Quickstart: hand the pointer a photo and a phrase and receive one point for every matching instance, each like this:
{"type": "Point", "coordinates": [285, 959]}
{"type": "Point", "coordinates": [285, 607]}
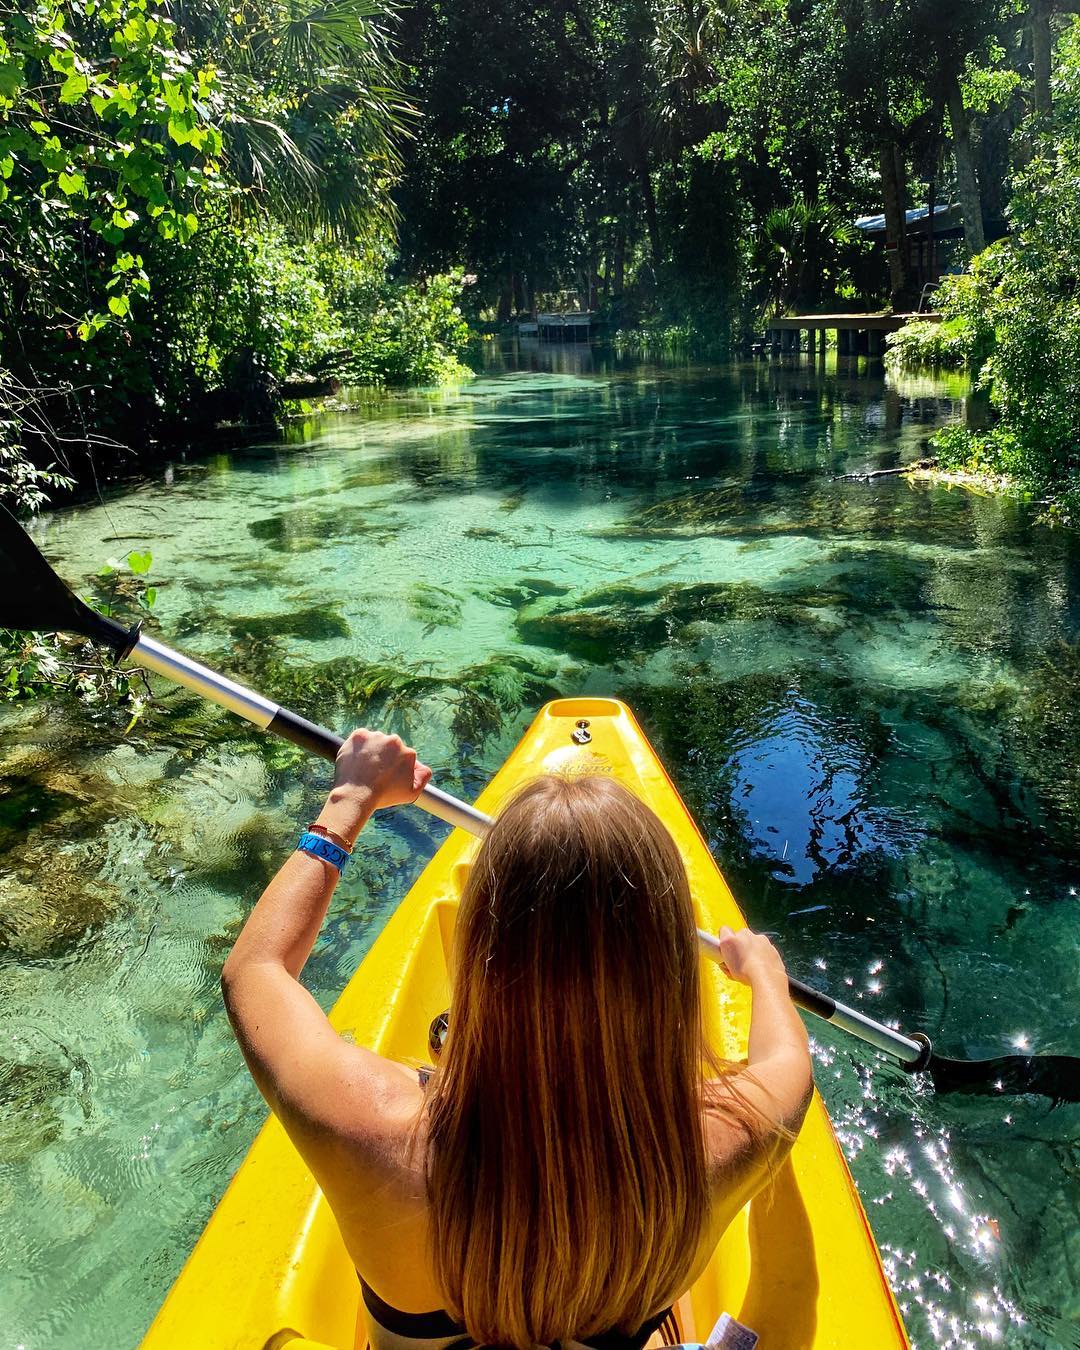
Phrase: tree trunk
{"type": "Point", "coordinates": [994, 162]}
{"type": "Point", "coordinates": [893, 192]}
{"type": "Point", "coordinates": [967, 186]}
{"type": "Point", "coordinates": [1041, 44]}
{"type": "Point", "coordinates": [618, 269]}
{"type": "Point", "coordinates": [644, 177]}
{"type": "Point", "coordinates": [652, 222]}
{"type": "Point", "coordinates": [931, 238]}
{"type": "Point", "coordinates": [506, 298]}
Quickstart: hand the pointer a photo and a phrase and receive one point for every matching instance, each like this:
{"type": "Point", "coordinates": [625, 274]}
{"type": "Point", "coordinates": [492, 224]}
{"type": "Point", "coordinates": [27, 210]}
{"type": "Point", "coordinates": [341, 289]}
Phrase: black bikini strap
{"type": "Point", "coordinates": [429, 1326]}
{"type": "Point", "coordinates": [620, 1340]}
{"type": "Point", "coordinates": [437, 1326]}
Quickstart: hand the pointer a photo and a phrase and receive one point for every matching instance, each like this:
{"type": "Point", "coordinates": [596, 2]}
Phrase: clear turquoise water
{"type": "Point", "coordinates": [866, 692]}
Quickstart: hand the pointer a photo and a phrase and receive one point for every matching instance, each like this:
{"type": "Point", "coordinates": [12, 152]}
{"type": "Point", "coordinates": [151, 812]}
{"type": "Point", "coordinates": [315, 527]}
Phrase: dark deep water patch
{"type": "Point", "coordinates": [867, 693]}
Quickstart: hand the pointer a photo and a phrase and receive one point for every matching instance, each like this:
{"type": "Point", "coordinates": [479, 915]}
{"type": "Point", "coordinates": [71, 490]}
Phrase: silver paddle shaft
{"type": "Point", "coordinates": [270, 716]}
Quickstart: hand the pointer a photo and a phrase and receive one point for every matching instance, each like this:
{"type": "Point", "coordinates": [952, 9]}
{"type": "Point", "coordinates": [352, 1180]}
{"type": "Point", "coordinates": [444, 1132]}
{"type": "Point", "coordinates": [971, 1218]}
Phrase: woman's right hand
{"type": "Point", "coordinates": [750, 957]}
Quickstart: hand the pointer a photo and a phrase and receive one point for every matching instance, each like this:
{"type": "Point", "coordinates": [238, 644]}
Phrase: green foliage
{"type": "Point", "coordinates": [33, 664]}
{"type": "Point", "coordinates": [392, 333]}
{"type": "Point", "coordinates": [659, 337]}
{"type": "Point", "coordinates": [1018, 309]}
{"type": "Point", "coordinates": [315, 113]}
{"type": "Point", "coordinates": [947, 345]}
{"type": "Point", "coordinates": [801, 249]}
{"type": "Point", "coordinates": [23, 486]}
{"type": "Point", "coordinates": [168, 178]}
{"type": "Point", "coordinates": [109, 132]}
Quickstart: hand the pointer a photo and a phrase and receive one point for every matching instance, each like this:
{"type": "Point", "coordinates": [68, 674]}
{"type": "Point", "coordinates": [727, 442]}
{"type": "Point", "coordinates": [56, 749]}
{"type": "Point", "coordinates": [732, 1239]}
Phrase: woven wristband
{"type": "Point", "coordinates": [317, 846]}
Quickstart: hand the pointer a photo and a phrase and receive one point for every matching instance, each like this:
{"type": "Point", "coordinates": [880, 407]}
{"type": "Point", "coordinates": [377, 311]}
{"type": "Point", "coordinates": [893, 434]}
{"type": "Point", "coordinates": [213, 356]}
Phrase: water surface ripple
{"type": "Point", "coordinates": [869, 694]}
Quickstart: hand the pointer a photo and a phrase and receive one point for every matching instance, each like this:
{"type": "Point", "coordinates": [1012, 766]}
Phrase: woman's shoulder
{"type": "Point", "coordinates": [380, 1098]}
{"type": "Point", "coordinates": [742, 1143]}
{"type": "Point", "coordinates": [363, 1118]}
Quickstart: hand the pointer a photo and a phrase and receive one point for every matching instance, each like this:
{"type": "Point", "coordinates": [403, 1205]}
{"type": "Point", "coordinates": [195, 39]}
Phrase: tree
{"type": "Point", "coordinates": [127, 131]}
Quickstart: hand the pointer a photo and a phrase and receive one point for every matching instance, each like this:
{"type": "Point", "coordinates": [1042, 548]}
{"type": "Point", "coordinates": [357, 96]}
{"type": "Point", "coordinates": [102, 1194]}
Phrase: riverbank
{"type": "Point", "coordinates": [988, 484]}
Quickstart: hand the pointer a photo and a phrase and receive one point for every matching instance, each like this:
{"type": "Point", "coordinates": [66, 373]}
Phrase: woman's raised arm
{"type": "Point", "coordinates": [780, 1080]}
{"type": "Point", "coordinates": [293, 1053]}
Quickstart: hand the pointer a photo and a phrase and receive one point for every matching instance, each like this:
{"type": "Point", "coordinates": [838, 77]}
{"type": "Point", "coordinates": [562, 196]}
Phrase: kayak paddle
{"type": "Point", "coordinates": [1056, 1076]}
{"type": "Point", "coordinates": [36, 599]}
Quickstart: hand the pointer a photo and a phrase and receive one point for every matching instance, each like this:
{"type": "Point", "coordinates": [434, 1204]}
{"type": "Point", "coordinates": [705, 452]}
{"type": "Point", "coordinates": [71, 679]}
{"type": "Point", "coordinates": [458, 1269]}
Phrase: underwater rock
{"type": "Point", "coordinates": [541, 586]}
{"type": "Point", "coordinates": [434, 605]}
{"type": "Point", "coordinates": [51, 819]}
{"type": "Point", "coordinates": [52, 903]}
{"type": "Point", "coordinates": [482, 532]}
{"type": "Point", "coordinates": [620, 593]}
{"type": "Point", "coordinates": [306, 531]}
{"type": "Point", "coordinates": [309, 625]}
{"type": "Point", "coordinates": [26, 804]}
{"type": "Point", "coordinates": [592, 635]}
{"type": "Point", "coordinates": [619, 621]}
{"type": "Point", "coordinates": [28, 1120]}
{"type": "Point", "coordinates": [523, 593]}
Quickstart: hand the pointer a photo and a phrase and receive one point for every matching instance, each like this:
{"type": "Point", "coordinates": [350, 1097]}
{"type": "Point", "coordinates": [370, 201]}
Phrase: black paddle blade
{"type": "Point", "coordinates": [34, 598]}
{"type": "Point", "coordinates": [1054, 1076]}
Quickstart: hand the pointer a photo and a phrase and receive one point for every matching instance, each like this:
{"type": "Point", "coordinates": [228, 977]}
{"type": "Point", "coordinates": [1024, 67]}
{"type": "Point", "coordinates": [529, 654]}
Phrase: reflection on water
{"type": "Point", "coordinates": [868, 692]}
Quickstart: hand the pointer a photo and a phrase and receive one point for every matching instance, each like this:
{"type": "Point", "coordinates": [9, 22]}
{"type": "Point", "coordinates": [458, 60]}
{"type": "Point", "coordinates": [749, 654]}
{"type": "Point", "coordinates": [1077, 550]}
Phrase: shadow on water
{"type": "Point", "coordinates": [867, 693]}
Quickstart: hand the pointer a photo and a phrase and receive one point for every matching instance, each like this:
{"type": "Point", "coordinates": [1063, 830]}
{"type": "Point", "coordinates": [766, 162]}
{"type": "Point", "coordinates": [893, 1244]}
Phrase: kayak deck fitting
{"type": "Point", "coordinates": [798, 1265]}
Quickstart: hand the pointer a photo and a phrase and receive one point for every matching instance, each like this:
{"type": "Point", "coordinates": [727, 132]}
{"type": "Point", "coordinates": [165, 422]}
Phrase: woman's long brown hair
{"type": "Point", "coordinates": [566, 1166]}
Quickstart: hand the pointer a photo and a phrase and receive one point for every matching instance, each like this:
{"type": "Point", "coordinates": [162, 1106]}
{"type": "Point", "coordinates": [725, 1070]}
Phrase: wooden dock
{"type": "Point", "coordinates": [856, 334]}
{"type": "Point", "coordinates": [573, 327]}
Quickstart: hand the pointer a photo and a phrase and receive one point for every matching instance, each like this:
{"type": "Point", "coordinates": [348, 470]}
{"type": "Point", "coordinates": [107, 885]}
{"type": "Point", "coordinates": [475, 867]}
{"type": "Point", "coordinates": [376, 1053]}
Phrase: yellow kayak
{"type": "Point", "coordinates": [799, 1265]}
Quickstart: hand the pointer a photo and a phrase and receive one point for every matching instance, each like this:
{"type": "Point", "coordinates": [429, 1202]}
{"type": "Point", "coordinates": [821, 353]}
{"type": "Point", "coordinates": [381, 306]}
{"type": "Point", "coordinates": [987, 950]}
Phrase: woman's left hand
{"type": "Point", "coordinates": [381, 768]}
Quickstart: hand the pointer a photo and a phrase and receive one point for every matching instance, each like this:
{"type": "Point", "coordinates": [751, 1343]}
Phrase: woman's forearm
{"type": "Point", "coordinates": [285, 922]}
{"type": "Point", "coordinates": [775, 1026]}
{"type": "Point", "coordinates": [779, 1081]}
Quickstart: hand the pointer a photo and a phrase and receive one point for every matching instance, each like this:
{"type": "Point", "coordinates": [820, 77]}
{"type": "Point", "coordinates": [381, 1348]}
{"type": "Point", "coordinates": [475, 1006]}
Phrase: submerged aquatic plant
{"type": "Point", "coordinates": [1048, 736]}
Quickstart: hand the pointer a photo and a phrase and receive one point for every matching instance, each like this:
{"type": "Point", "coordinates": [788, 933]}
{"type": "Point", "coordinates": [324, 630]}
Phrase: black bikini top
{"type": "Point", "coordinates": [441, 1327]}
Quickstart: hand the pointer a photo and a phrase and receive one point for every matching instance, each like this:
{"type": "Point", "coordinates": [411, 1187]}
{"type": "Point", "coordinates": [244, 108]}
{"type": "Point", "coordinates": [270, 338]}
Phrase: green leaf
{"type": "Point", "coordinates": [120, 305]}
{"type": "Point", "coordinates": [73, 88]}
{"type": "Point", "coordinates": [140, 562]}
{"type": "Point", "coordinates": [150, 597]}
{"type": "Point", "coordinates": [7, 165]}
{"type": "Point", "coordinates": [71, 183]}
{"type": "Point", "coordinates": [11, 79]}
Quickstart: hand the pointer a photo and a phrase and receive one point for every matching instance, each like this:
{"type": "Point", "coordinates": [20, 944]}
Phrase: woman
{"type": "Point", "coordinates": [566, 1171]}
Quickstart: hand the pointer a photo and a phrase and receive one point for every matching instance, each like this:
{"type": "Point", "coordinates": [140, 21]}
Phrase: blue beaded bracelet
{"type": "Point", "coordinates": [320, 847]}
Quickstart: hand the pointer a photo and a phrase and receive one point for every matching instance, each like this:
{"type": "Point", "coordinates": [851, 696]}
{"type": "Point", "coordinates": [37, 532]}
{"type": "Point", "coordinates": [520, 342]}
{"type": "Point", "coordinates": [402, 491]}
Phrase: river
{"type": "Point", "coordinates": [868, 693]}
